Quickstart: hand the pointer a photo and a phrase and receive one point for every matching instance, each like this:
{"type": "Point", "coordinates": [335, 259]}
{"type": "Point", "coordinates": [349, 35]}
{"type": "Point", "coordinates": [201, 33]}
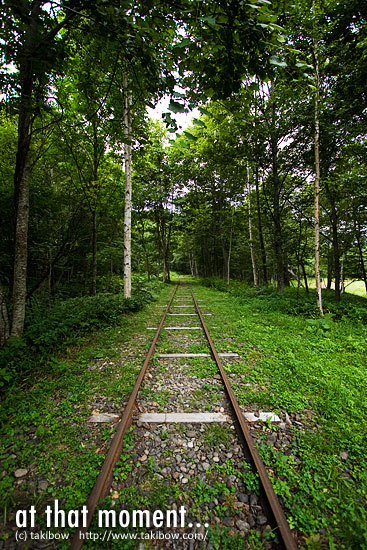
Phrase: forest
{"type": "Point", "coordinates": [106, 194]}
{"type": "Point", "coordinates": [280, 96]}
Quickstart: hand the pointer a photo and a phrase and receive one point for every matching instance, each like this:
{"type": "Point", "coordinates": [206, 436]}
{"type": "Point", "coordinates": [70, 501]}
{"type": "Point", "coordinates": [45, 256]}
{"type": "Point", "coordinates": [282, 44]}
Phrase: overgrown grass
{"type": "Point", "coordinates": [43, 420]}
{"type": "Point", "coordinates": [299, 362]}
{"type": "Point", "coordinates": [294, 360]}
{"type": "Point", "coordinates": [52, 327]}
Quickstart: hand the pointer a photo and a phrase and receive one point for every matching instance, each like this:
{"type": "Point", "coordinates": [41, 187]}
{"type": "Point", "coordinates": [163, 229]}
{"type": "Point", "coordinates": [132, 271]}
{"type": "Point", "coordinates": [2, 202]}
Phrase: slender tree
{"type": "Point", "coordinates": [128, 186]}
{"type": "Point", "coordinates": [317, 157]}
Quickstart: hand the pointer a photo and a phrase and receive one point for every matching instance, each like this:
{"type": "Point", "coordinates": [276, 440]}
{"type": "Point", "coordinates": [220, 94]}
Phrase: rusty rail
{"type": "Point", "coordinates": [284, 530]}
{"type": "Point", "coordinates": [104, 480]}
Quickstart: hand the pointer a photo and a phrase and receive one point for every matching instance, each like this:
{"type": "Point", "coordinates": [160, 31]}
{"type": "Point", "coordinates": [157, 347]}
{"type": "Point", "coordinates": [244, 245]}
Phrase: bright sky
{"type": "Point", "coordinates": [183, 120]}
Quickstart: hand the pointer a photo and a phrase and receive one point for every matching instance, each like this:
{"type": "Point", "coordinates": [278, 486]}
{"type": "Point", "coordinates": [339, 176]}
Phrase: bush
{"type": "Point", "coordinates": [65, 321]}
{"type": "Point", "coordinates": [266, 299]}
{"type": "Point", "coordinates": [52, 329]}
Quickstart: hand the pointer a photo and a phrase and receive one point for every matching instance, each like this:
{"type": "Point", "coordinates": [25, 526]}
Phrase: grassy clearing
{"type": "Point", "coordinates": [317, 367]}
{"type": "Point", "coordinates": [351, 287]}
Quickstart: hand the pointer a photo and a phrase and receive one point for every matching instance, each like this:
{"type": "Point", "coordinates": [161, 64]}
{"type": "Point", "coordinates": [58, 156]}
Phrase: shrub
{"type": "Point", "coordinates": [266, 299]}
{"type": "Point", "coordinates": [49, 330]}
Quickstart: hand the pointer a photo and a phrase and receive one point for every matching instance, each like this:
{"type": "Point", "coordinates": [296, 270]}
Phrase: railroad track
{"type": "Point", "coordinates": [180, 308]}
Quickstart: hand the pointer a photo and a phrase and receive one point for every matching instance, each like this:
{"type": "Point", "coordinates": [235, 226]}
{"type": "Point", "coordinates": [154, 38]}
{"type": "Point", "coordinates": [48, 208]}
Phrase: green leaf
{"type": "Point", "coordinates": [199, 122]}
{"type": "Point", "coordinates": [276, 61]}
{"type": "Point", "coordinates": [176, 107]}
{"type": "Point", "coordinates": [204, 111]}
{"type": "Point", "coordinates": [183, 44]}
{"type": "Point", "coordinates": [304, 65]}
{"type": "Point", "coordinates": [178, 94]}
{"type": "Point", "coordinates": [209, 19]}
{"type": "Point", "coordinates": [190, 136]}
{"type": "Point", "coordinates": [278, 27]}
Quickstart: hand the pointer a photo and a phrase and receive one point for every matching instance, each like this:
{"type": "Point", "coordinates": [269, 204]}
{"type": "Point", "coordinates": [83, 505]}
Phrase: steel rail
{"type": "Point", "coordinates": [286, 535]}
{"type": "Point", "coordinates": [104, 480]}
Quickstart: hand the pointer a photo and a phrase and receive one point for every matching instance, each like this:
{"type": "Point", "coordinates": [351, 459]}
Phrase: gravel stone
{"type": "Point", "coordinates": [243, 526]}
{"type": "Point", "coordinates": [228, 522]}
{"type": "Point", "coordinates": [261, 519]}
{"type": "Point", "coordinates": [21, 472]}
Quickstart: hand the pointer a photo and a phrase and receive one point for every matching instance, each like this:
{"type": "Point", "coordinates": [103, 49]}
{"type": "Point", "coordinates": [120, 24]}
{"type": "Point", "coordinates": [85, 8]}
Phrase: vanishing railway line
{"type": "Point", "coordinates": [268, 499]}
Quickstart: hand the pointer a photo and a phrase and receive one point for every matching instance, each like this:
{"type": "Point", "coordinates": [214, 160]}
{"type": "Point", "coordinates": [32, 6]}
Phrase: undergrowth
{"type": "Point", "coordinates": [267, 299]}
{"type": "Point", "coordinates": [52, 327]}
{"type": "Point", "coordinates": [295, 361]}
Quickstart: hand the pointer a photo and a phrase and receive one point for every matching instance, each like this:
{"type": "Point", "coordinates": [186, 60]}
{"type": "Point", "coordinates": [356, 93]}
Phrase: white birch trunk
{"type": "Point", "coordinates": [230, 250]}
{"type": "Point", "coordinates": [317, 172]}
{"type": "Point", "coordinates": [4, 320]}
{"type": "Point", "coordinates": [253, 260]}
{"type": "Point", "coordinates": [128, 190]}
{"type": "Point", "coordinates": [342, 285]}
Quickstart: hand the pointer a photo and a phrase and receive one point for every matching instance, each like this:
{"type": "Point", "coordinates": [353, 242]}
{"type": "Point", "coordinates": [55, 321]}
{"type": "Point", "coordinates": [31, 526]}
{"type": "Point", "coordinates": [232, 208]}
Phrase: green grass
{"type": "Point", "coordinates": [54, 404]}
{"type": "Point", "coordinates": [351, 287]}
{"type": "Point", "coordinates": [298, 362]}
{"type": "Point", "coordinates": [292, 360]}
{"type": "Point", "coordinates": [357, 287]}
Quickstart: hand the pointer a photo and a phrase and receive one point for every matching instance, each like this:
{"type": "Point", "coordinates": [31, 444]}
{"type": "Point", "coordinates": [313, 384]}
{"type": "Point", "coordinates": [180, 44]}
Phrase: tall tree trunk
{"type": "Point", "coordinates": [281, 268]}
{"type": "Point", "coordinates": [304, 275]}
{"type": "Point", "coordinates": [334, 223]}
{"type": "Point", "coordinates": [94, 249]}
{"type": "Point", "coordinates": [21, 253]}
{"type": "Point", "coordinates": [298, 256]}
{"type": "Point", "coordinates": [253, 259]}
{"type": "Point", "coordinates": [225, 258]}
{"type": "Point", "coordinates": [94, 204]}
{"type": "Point", "coordinates": [163, 240]}
{"type": "Point", "coordinates": [166, 252]}
{"type": "Point", "coordinates": [230, 249]}
{"type": "Point", "coordinates": [146, 253]}
{"type": "Point", "coordinates": [329, 268]}
{"type": "Point", "coordinates": [22, 164]}
{"type": "Point", "coordinates": [4, 320]}
{"type": "Point", "coordinates": [317, 166]}
{"type": "Point", "coordinates": [278, 238]}
{"type": "Point", "coordinates": [342, 287]}
{"type": "Point", "coordinates": [21, 184]}
{"type": "Point", "coordinates": [192, 263]}
{"type": "Point", "coordinates": [260, 229]}
{"type": "Point", "coordinates": [128, 190]}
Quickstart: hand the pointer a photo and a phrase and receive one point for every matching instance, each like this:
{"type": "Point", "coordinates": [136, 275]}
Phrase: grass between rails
{"type": "Point", "coordinates": [43, 422]}
{"type": "Point", "coordinates": [317, 367]}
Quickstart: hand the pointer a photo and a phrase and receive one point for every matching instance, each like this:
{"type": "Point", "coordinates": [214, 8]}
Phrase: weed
{"type": "Point", "coordinates": [215, 434]}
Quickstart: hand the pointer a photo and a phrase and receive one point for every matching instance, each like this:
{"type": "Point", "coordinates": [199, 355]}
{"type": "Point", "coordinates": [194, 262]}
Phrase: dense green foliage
{"type": "Point", "coordinates": [52, 329]}
{"type": "Point", "coordinates": [231, 196]}
{"type": "Point", "coordinates": [266, 299]}
{"type": "Point", "coordinates": [57, 402]}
